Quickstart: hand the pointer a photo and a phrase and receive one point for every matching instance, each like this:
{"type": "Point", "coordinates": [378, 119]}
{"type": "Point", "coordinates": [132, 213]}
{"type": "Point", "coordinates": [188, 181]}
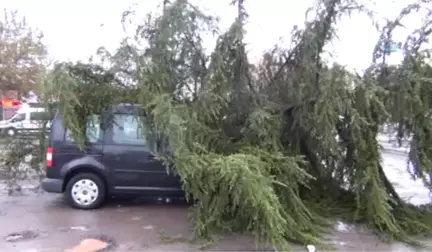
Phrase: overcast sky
{"type": "Point", "coordinates": [73, 29]}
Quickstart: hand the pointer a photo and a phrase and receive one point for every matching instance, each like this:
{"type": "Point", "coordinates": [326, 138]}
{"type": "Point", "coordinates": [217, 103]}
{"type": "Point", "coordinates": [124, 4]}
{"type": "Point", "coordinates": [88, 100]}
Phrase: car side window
{"type": "Point", "coordinates": [39, 116]}
{"type": "Point", "coordinates": [18, 118]}
{"type": "Point", "coordinates": [93, 131]}
{"type": "Point", "coordinates": [129, 130]}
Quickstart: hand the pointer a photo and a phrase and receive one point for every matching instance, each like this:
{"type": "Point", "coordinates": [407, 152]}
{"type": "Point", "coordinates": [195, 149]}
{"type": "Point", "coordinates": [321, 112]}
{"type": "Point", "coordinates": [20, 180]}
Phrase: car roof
{"type": "Point", "coordinates": [29, 110]}
{"type": "Point", "coordinates": [122, 108]}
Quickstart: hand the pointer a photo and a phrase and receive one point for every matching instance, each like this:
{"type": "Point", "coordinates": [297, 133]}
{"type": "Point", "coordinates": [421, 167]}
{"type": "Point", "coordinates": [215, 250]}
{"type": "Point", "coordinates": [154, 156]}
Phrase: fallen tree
{"type": "Point", "coordinates": [274, 149]}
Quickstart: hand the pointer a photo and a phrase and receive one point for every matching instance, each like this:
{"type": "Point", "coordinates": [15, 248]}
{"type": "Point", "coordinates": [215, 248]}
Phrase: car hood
{"type": "Point", "coordinates": [4, 123]}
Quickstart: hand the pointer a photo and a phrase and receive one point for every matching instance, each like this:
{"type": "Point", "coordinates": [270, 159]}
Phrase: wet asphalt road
{"type": "Point", "coordinates": [140, 225]}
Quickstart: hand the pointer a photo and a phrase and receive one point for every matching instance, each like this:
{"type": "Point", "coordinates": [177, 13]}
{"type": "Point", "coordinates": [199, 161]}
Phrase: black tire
{"type": "Point", "coordinates": [101, 188]}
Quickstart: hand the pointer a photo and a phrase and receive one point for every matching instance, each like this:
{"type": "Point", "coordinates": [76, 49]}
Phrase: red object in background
{"type": "Point", "coordinates": [8, 108]}
{"type": "Point", "coordinates": [10, 103]}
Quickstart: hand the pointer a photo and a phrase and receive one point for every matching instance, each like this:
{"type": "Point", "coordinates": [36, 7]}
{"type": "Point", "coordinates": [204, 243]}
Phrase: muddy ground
{"type": "Point", "coordinates": [135, 225]}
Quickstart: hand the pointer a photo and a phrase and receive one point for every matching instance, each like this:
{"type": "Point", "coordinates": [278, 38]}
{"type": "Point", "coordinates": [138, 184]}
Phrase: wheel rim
{"type": "Point", "coordinates": [85, 192]}
{"type": "Point", "coordinates": [11, 132]}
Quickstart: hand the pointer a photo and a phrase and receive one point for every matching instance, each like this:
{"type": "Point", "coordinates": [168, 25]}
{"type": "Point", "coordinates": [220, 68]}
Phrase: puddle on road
{"type": "Point", "coordinates": [148, 227]}
{"type": "Point", "coordinates": [21, 236]}
{"type": "Point", "coordinates": [74, 228]}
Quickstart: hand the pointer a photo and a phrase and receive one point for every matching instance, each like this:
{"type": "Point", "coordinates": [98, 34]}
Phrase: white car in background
{"type": "Point", "coordinates": [26, 121]}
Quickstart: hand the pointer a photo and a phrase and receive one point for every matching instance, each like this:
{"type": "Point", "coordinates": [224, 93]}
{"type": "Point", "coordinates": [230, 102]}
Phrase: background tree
{"type": "Point", "coordinates": [22, 57]}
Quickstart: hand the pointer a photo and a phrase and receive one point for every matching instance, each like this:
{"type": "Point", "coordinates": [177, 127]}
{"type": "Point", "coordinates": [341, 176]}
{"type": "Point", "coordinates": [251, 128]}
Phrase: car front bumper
{"type": "Point", "coordinates": [52, 185]}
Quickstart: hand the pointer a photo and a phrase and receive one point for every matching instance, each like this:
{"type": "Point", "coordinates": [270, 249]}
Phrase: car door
{"type": "Point", "coordinates": [40, 120]}
{"type": "Point", "coordinates": [128, 154]}
{"type": "Point", "coordinates": [66, 149]}
{"type": "Point", "coordinates": [26, 124]}
{"type": "Point", "coordinates": [17, 122]}
{"type": "Point", "coordinates": [36, 121]}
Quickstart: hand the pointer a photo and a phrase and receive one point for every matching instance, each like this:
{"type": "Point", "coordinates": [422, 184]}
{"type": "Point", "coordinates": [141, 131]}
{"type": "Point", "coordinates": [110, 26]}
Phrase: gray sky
{"type": "Point", "coordinates": [73, 29]}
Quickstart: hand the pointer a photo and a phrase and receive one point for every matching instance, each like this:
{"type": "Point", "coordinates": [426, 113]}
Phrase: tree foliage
{"type": "Point", "coordinates": [23, 55]}
{"type": "Point", "coordinates": [272, 149]}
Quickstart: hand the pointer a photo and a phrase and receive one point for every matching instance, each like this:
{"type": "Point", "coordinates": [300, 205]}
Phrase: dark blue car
{"type": "Point", "coordinates": [117, 160]}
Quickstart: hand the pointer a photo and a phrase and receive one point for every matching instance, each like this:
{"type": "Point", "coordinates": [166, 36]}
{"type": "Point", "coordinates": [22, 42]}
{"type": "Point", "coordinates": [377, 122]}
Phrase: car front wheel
{"type": "Point", "coordinates": [85, 191]}
{"type": "Point", "coordinates": [11, 132]}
